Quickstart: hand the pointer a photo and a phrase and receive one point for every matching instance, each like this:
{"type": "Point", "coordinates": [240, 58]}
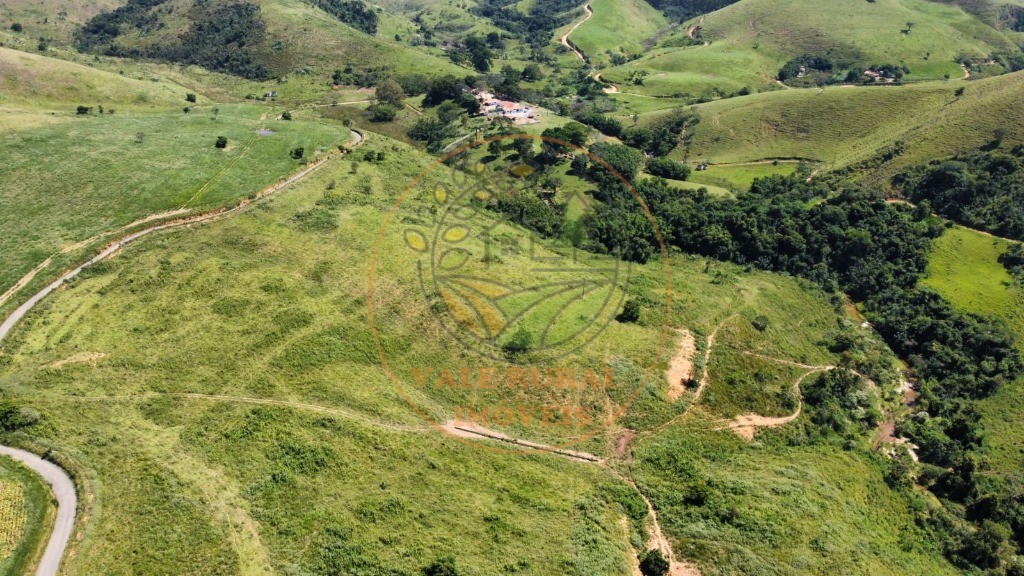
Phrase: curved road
{"type": "Point", "coordinates": [63, 486]}
{"type": "Point", "coordinates": [67, 504]}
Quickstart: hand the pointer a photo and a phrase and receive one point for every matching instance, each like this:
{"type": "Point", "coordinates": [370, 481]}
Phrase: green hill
{"type": "Point", "coordinates": [265, 39]}
{"type": "Point", "coordinates": [841, 126]}
{"type": "Point", "coordinates": [33, 80]}
{"type": "Point", "coordinates": [750, 41]}
{"type": "Point", "coordinates": [618, 27]}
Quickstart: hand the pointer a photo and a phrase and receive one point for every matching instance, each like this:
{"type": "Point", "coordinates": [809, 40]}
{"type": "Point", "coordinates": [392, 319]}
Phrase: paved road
{"type": "Point", "coordinates": [67, 504]}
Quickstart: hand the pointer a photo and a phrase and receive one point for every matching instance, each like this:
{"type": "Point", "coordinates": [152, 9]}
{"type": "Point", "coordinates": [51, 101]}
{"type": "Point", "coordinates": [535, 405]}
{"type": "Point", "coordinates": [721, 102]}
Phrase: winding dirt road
{"type": "Point", "coordinates": [565, 37]}
{"type": "Point", "coordinates": [67, 505]}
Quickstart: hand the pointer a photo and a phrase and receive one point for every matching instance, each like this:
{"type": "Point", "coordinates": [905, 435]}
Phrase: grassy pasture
{"type": "Point", "coordinates": [66, 182]}
{"type": "Point", "coordinates": [619, 27]}
{"type": "Point", "coordinates": [739, 176]}
{"type": "Point", "coordinates": [32, 80]}
{"type": "Point", "coordinates": [272, 304]}
{"type": "Point", "coordinates": [964, 269]}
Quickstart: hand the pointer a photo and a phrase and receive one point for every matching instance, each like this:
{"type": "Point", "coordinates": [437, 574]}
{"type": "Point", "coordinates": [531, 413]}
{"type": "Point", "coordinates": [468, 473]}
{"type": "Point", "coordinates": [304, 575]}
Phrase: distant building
{"type": "Point", "coordinates": [491, 105]}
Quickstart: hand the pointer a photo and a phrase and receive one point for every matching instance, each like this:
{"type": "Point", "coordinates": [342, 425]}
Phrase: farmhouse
{"type": "Point", "coordinates": [492, 106]}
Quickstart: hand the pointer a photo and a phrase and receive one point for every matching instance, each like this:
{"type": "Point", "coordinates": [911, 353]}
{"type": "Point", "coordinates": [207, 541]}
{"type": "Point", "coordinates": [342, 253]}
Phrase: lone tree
{"type": "Point", "coordinates": [16, 27]}
{"type": "Point", "coordinates": [390, 92]}
{"type": "Point", "coordinates": [519, 343]}
{"type": "Point", "coordinates": [222, 142]}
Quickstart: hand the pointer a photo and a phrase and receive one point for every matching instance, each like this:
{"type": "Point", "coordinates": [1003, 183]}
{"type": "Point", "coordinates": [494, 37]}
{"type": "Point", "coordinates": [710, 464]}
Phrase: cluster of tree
{"type": "Point", "coordinates": [681, 10]}
{"type": "Point", "coordinates": [805, 64]}
{"type": "Point", "coordinates": [842, 402]}
{"type": "Point", "coordinates": [983, 190]}
{"type": "Point", "coordinates": [220, 37]}
{"type": "Point", "coordinates": [14, 417]}
{"type": "Point", "coordinates": [106, 26]}
{"type": "Point", "coordinates": [668, 168]}
{"type": "Point", "coordinates": [535, 26]}
{"type": "Point", "coordinates": [364, 77]}
{"type": "Point", "coordinates": [475, 50]}
{"type": "Point", "coordinates": [662, 137]}
{"type": "Point", "coordinates": [352, 12]}
{"type": "Point", "coordinates": [970, 356]}
{"type": "Point", "coordinates": [601, 122]}
{"type": "Point", "coordinates": [1013, 260]}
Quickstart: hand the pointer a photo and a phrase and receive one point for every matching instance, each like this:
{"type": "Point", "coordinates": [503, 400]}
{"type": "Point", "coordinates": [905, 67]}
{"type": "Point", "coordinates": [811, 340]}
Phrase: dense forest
{"type": "Point", "coordinates": [685, 9]}
{"type": "Point", "coordinates": [537, 25]}
{"type": "Point", "coordinates": [984, 190]}
{"type": "Point", "coordinates": [352, 12]}
{"type": "Point", "coordinates": [220, 37]}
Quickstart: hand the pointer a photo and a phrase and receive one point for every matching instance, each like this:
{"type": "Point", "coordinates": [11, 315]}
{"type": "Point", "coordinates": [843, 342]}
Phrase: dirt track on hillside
{"type": "Point", "coordinates": [565, 37]}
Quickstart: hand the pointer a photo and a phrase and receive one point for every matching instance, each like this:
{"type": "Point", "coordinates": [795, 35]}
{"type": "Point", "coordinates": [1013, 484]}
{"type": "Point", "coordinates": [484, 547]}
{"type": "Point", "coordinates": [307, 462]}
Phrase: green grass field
{"type": "Point", "coordinates": [964, 269]}
{"type": "Point", "coordinates": [67, 182]}
{"type": "Point", "coordinates": [25, 516]}
{"type": "Point", "coordinates": [779, 507]}
{"type": "Point", "coordinates": [618, 27]}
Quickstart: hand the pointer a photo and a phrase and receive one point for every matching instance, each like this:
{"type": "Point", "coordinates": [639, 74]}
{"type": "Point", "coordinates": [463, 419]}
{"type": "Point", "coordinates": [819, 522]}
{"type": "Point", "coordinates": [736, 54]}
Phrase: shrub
{"type": "Point", "coordinates": [190, 98]}
{"type": "Point", "coordinates": [84, 110]}
{"type": "Point", "coordinates": [761, 323]}
{"type": "Point", "coordinates": [630, 311]}
{"type": "Point", "coordinates": [16, 27]}
{"type": "Point", "coordinates": [222, 142]}
{"type": "Point", "coordinates": [653, 563]}
{"type": "Point", "coordinates": [442, 567]}
{"type": "Point", "coordinates": [286, 115]}
{"type": "Point", "coordinates": [297, 153]}
{"type": "Point", "coordinates": [382, 112]}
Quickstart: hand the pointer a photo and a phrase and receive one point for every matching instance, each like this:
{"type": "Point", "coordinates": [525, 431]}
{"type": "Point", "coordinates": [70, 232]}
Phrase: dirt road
{"type": "Point", "coordinates": [67, 505]}
{"type": "Point", "coordinates": [565, 37]}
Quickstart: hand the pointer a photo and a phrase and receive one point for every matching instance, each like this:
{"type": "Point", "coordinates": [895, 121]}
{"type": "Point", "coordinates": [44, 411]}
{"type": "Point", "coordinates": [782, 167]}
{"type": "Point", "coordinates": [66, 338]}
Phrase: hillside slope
{"type": "Point", "coordinates": [751, 40]}
{"type": "Point", "coordinates": [844, 125]}
{"type": "Point", "coordinates": [258, 40]}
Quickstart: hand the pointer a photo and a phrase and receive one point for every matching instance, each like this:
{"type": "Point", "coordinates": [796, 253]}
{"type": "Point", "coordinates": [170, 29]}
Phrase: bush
{"type": "Point", "coordinates": [190, 98]}
{"type": "Point", "coordinates": [84, 110]}
{"type": "Point", "coordinates": [630, 312]}
{"type": "Point", "coordinates": [442, 567]}
{"type": "Point", "coordinates": [16, 27]}
{"type": "Point", "coordinates": [297, 153]}
{"type": "Point", "coordinates": [519, 343]}
{"type": "Point", "coordinates": [667, 168]}
{"type": "Point", "coordinates": [653, 563]}
{"type": "Point", "coordinates": [382, 112]}
{"type": "Point", "coordinates": [286, 115]}
{"type": "Point", "coordinates": [222, 142]}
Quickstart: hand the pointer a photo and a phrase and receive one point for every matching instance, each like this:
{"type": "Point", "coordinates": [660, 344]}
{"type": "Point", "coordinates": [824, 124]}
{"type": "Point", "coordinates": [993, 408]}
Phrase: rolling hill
{"type": "Point", "coordinates": [841, 126]}
{"type": "Point", "coordinates": [750, 41]}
